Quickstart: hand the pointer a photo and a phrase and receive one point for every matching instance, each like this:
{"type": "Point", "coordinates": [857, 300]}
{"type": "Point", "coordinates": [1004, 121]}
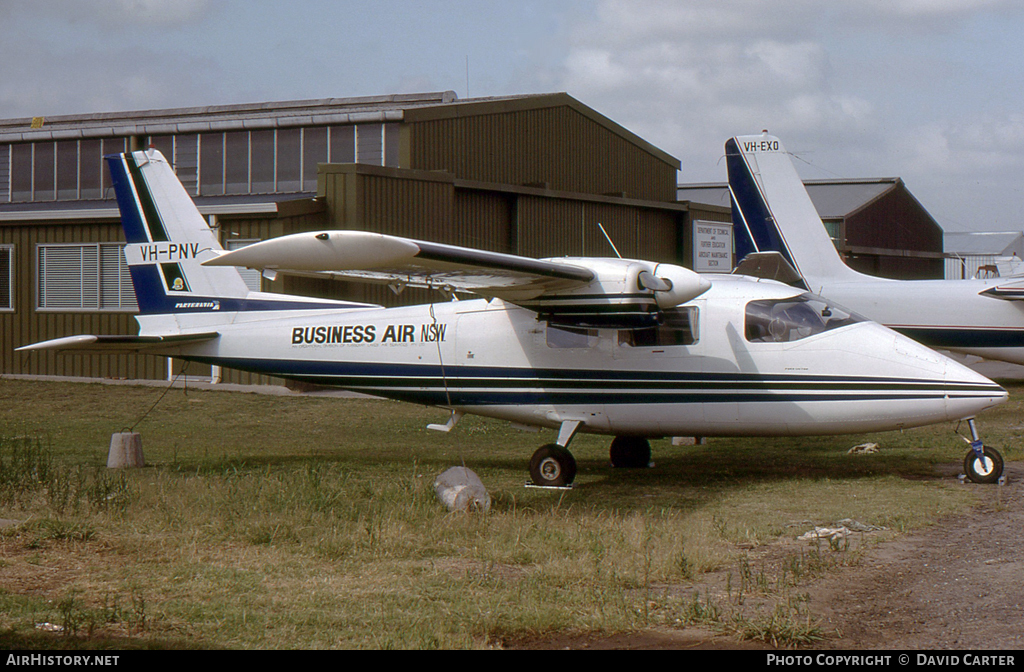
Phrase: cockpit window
{"type": "Point", "coordinates": [785, 320]}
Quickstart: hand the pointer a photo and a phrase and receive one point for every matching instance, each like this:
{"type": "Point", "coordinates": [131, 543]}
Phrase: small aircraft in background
{"type": "Point", "coordinates": [772, 213]}
{"type": "Point", "coordinates": [626, 348]}
{"type": "Point", "coordinates": [780, 235]}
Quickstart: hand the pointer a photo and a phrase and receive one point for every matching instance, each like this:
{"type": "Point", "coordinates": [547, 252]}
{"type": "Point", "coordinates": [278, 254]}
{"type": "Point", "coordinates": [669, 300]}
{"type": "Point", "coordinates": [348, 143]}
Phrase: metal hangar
{"type": "Point", "coordinates": [531, 175]}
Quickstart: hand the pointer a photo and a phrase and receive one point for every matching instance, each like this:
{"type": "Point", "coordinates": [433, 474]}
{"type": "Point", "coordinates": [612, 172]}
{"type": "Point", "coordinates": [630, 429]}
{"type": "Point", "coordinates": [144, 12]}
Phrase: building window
{"type": "Point", "coordinates": [5, 173]}
{"type": "Point", "coordinates": [6, 277]}
{"type": "Point", "coordinates": [370, 144]}
{"type": "Point", "coordinates": [289, 159]}
{"type": "Point", "coordinates": [250, 276]}
{"type": "Point", "coordinates": [342, 144]}
{"type": "Point", "coordinates": [264, 161]}
{"type": "Point", "coordinates": [84, 277]}
{"type": "Point", "coordinates": [208, 164]}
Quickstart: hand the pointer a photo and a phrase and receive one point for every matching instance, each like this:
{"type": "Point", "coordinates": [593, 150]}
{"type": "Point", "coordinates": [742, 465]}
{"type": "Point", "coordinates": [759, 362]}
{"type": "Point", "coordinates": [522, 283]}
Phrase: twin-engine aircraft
{"type": "Point", "coordinates": [625, 348]}
{"type": "Point", "coordinates": [774, 217]}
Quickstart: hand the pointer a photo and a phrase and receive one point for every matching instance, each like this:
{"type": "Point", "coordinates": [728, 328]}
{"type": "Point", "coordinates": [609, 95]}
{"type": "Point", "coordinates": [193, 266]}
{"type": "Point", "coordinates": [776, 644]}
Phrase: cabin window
{"type": "Point", "coordinates": [785, 320]}
{"type": "Point", "coordinates": [567, 337]}
{"type": "Point", "coordinates": [679, 327]}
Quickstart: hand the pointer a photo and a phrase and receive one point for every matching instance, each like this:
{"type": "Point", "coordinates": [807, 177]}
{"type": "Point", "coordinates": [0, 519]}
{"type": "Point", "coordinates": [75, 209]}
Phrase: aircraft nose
{"type": "Point", "coordinates": [968, 392]}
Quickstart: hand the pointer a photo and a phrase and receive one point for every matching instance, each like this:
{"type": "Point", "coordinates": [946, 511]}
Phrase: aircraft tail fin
{"type": "Point", "coordinates": [167, 239]}
{"type": "Point", "coordinates": [772, 211]}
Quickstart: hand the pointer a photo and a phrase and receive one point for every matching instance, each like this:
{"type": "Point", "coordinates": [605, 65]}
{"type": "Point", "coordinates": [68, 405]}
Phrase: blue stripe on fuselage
{"type": "Point", "coordinates": [154, 299]}
{"type": "Point", "coordinates": [488, 386]}
{"type": "Point", "coordinates": [960, 337]}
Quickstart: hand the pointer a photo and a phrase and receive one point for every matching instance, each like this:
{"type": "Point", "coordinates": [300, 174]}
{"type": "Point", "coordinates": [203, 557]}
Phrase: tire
{"type": "Point", "coordinates": [987, 471]}
{"type": "Point", "coordinates": [552, 466]}
{"type": "Point", "coordinates": [630, 452]}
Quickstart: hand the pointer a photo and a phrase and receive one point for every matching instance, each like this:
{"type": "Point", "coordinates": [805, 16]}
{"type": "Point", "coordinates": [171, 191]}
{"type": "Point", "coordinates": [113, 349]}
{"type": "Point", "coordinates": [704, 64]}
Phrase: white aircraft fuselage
{"type": "Point", "coordinates": [496, 359]}
{"type": "Point", "coordinates": [629, 348]}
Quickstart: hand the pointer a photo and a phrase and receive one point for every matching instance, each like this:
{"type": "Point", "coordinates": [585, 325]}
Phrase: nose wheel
{"type": "Point", "coordinates": [982, 464]}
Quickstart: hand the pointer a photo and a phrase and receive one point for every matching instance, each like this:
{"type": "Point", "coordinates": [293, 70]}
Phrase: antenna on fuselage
{"type": "Point", "coordinates": [609, 239]}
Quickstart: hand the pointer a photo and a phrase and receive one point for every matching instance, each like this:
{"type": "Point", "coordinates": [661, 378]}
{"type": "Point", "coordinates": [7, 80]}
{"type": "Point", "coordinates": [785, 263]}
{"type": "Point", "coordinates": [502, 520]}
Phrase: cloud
{"type": "Point", "coordinates": [858, 89]}
{"type": "Point", "coordinates": [109, 14]}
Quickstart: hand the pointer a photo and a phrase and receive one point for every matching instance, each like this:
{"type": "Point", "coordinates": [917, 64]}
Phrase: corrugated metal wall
{"type": "Point", "coordinates": [895, 221]}
{"type": "Point", "coordinates": [28, 325]}
{"type": "Point", "coordinates": [557, 147]}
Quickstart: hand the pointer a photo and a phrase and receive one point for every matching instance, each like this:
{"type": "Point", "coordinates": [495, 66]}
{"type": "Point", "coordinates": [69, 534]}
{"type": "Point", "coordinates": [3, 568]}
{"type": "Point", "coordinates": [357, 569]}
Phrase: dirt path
{"type": "Point", "coordinates": [959, 585]}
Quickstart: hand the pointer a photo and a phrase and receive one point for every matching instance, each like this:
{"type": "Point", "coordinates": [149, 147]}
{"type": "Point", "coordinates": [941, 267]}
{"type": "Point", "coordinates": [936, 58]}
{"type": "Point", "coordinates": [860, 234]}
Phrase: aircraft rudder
{"type": "Point", "coordinates": [755, 225]}
{"type": "Point", "coordinates": [776, 212]}
{"type": "Point", "coordinates": [167, 238]}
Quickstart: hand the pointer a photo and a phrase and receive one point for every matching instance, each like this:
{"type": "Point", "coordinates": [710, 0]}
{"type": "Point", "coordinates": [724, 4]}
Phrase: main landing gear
{"type": "Point", "coordinates": [553, 466]}
{"type": "Point", "coordinates": [982, 464]}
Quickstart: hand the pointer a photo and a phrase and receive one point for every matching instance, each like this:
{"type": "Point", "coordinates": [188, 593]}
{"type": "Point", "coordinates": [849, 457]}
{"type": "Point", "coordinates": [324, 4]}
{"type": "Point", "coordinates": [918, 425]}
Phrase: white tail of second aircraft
{"type": "Point", "coordinates": [772, 211]}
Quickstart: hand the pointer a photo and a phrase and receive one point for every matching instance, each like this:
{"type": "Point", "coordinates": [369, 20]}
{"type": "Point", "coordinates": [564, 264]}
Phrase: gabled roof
{"type": "Point", "coordinates": [833, 199]}
{"type": "Point", "coordinates": [998, 243]}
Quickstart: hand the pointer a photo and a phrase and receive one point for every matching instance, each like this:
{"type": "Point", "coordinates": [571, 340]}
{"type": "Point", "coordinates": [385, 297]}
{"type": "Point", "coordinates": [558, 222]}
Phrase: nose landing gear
{"type": "Point", "coordinates": [982, 464]}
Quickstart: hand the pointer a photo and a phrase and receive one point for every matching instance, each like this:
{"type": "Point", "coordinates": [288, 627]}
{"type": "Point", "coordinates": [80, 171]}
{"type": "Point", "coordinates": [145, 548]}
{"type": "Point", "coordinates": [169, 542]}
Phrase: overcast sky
{"type": "Point", "coordinates": [928, 90]}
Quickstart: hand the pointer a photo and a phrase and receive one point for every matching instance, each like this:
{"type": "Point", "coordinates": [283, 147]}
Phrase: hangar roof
{"type": "Point", "coordinates": [285, 114]}
{"type": "Point", "coordinates": [1002, 243]}
{"type": "Point", "coordinates": [219, 117]}
{"type": "Point", "coordinates": [833, 199]}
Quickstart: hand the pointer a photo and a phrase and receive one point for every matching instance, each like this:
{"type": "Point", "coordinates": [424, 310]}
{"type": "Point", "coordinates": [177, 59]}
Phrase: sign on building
{"type": "Point", "coordinates": [712, 247]}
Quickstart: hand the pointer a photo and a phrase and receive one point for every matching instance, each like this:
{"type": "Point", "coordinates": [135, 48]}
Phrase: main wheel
{"type": "Point", "coordinates": [630, 452]}
{"type": "Point", "coordinates": [985, 469]}
{"type": "Point", "coordinates": [552, 466]}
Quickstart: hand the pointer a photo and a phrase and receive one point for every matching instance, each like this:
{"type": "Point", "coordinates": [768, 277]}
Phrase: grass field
{"type": "Point", "coordinates": [267, 521]}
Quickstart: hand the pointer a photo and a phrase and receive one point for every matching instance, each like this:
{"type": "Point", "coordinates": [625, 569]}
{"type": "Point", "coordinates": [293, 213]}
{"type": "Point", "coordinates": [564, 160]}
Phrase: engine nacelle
{"type": "Point", "coordinates": [679, 285]}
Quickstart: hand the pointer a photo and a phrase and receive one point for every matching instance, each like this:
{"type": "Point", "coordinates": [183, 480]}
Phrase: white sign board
{"type": "Point", "coordinates": [712, 247]}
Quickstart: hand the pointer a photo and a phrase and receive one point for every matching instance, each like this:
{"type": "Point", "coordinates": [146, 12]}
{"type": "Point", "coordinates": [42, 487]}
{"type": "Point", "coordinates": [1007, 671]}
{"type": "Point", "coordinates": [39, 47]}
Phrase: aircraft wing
{"type": "Point", "coordinates": [400, 262]}
{"type": "Point", "coordinates": [111, 344]}
{"type": "Point", "coordinates": [579, 292]}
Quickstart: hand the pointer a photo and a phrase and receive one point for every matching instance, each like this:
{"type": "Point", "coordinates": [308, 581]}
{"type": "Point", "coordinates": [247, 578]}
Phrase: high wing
{"type": "Point", "coordinates": [375, 257]}
{"type": "Point", "coordinates": [581, 292]}
{"type": "Point", "coordinates": [117, 343]}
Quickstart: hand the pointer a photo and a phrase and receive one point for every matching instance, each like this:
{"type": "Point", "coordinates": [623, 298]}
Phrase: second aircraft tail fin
{"type": "Point", "coordinates": [772, 211]}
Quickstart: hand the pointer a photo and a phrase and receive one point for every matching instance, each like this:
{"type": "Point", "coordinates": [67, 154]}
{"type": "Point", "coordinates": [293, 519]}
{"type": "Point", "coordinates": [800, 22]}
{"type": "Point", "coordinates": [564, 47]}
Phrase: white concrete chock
{"type": "Point", "coordinates": [460, 489]}
{"type": "Point", "coordinates": [125, 451]}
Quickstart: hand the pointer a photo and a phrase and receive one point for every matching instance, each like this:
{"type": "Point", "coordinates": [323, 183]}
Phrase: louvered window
{"type": "Point", "coordinates": [84, 277]}
{"type": "Point", "coordinates": [6, 277]}
{"type": "Point", "coordinates": [251, 277]}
